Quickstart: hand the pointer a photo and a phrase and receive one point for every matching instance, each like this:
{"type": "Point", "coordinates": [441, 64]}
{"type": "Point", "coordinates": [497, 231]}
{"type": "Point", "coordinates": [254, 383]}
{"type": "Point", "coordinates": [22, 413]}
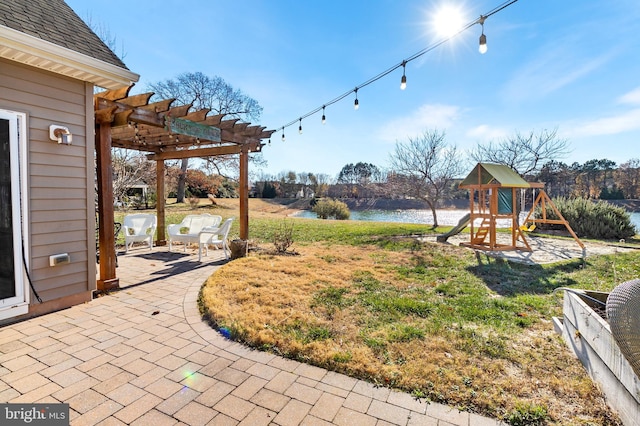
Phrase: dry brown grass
{"type": "Point", "coordinates": [316, 307]}
{"type": "Point", "coordinates": [258, 207]}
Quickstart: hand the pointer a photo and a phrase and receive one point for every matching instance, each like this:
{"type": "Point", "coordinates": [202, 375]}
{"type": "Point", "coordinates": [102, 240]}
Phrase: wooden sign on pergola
{"type": "Point", "coordinates": [166, 133]}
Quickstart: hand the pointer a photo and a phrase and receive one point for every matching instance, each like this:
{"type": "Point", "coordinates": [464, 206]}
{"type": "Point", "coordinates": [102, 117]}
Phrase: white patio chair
{"type": "Point", "coordinates": [216, 237]}
{"type": "Point", "coordinates": [189, 229]}
{"type": "Point", "coordinates": [139, 227]}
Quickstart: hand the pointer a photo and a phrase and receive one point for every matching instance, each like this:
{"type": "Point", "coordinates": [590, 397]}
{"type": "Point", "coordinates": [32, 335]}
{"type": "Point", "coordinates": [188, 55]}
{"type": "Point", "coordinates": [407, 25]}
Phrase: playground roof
{"type": "Point", "coordinates": [494, 174]}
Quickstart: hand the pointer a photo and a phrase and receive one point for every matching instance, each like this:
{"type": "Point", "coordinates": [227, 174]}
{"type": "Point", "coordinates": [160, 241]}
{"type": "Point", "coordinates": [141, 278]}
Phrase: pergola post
{"type": "Point", "coordinates": [244, 194]}
{"type": "Point", "coordinates": [106, 238]}
{"type": "Point", "coordinates": [160, 202]}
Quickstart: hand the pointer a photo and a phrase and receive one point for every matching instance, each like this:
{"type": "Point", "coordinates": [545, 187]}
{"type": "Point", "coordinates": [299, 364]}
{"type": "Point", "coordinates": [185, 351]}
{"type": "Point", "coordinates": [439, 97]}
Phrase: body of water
{"type": "Point", "coordinates": [445, 217]}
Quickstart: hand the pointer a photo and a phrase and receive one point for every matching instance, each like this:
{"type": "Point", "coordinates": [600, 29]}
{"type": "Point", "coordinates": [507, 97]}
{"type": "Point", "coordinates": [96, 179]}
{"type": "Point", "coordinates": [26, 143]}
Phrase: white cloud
{"type": "Point", "coordinates": [426, 117]}
{"type": "Point", "coordinates": [486, 133]}
{"type": "Point", "coordinates": [632, 97]}
{"type": "Point", "coordinates": [624, 122]}
{"type": "Point", "coordinates": [550, 71]}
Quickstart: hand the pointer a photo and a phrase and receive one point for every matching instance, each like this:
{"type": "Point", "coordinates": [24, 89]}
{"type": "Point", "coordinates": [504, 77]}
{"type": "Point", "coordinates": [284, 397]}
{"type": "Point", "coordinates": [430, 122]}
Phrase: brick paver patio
{"type": "Point", "coordinates": [143, 356]}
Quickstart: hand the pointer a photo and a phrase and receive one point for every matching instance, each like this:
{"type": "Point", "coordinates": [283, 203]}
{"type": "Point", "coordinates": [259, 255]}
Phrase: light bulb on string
{"type": "Point", "coordinates": [483, 44]}
{"type": "Point", "coordinates": [403, 80]}
{"type": "Point", "coordinates": [482, 48]}
{"type": "Point", "coordinates": [300, 126]}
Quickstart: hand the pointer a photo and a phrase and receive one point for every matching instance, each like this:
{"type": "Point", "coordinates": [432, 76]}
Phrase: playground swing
{"type": "Point", "coordinates": [532, 226]}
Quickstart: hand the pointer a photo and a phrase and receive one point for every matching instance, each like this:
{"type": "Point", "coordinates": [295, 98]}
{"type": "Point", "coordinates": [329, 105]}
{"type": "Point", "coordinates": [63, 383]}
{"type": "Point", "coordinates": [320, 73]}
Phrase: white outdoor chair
{"type": "Point", "coordinates": [216, 237]}
{"type": "Point", "coordinates": [192, 224]}
{"type": "Point", "coordinates": [139, 227]}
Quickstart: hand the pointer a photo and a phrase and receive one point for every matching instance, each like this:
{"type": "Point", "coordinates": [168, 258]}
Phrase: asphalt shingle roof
{"type": "Point", "coordinates": [54, 21]}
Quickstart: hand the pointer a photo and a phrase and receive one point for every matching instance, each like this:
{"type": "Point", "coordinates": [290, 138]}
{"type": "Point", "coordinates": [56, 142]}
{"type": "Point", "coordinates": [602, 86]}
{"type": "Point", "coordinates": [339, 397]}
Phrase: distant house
{"type": "Point", "coordinates": [50, 62]}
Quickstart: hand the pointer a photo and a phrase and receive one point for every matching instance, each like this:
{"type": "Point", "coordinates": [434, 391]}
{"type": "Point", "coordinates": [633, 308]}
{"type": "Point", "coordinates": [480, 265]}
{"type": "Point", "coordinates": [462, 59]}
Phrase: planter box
{"type": "Point", "coordinates": [589, 337]}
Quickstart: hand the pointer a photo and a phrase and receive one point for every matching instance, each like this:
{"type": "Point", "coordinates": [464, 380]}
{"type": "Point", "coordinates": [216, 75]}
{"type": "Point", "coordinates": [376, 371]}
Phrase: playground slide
{"type": "Point", "coordinates": [464, 221]}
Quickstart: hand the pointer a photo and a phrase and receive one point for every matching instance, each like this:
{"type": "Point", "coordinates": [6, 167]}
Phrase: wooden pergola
{"type": "Point", "coordinates": [166, 133]}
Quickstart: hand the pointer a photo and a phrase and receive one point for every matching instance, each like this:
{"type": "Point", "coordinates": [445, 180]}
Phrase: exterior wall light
{"type": "Point", "coordinates": [60, 134]}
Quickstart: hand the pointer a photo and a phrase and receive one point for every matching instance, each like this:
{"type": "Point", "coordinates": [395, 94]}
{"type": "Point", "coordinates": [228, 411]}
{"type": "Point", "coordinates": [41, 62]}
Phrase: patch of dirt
{"type": "Point", "coordinates": [543, 249]}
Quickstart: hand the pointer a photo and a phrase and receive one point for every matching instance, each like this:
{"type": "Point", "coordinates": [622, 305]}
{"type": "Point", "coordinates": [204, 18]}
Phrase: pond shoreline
{"type": "Point", "coordinates": [414, 211]}
{"type": "Point", "coordinates": [358, 204]}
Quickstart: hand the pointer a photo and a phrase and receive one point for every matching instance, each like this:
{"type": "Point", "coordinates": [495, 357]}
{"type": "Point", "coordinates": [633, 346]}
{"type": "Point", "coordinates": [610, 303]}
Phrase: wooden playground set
{"type": "Point", "coordinates": [493, 196]}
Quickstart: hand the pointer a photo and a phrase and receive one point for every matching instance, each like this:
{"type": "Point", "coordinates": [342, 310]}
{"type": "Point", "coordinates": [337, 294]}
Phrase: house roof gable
{"type": "Point", "coordinates": [54, 21]}
{"type": "Point", "coordinates": [48, 34]}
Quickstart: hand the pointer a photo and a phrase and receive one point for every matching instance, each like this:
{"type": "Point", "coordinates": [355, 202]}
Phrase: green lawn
{"type": "Point", "coordinates": [368, 299]}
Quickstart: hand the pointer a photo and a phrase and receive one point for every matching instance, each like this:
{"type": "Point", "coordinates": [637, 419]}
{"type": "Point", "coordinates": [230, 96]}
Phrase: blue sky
{"type": "Point", "coordinates": [570, 65]}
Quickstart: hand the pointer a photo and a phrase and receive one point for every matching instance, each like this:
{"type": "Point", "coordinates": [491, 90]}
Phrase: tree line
{"type": "Point", "coordinates": [428, 168]}
{"type": "Point", "coordinates": [425, 167]}
{"type": "Point", "coordinates": [595, 179]}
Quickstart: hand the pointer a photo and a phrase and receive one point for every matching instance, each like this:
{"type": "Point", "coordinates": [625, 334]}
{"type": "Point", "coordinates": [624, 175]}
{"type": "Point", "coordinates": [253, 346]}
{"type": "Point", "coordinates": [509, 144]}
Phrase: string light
{"type": "Point", "coordinates": [300, 127]}
{"type": "Point", "coordinates": [482, 49]}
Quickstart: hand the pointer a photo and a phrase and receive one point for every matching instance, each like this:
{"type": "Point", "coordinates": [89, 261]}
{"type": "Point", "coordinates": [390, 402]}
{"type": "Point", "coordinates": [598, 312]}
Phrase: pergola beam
{"type": "Point", "coordinates": [139, 115]}
{"type": "Point", "coordinates": [137, 100]}
{"type": "Point", "coordinates": [205, 152]}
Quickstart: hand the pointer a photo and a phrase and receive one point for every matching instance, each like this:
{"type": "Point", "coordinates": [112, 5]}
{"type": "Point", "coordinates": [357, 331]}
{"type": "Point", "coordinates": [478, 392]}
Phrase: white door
{"type": "Point", "coordinates": [13, 297]}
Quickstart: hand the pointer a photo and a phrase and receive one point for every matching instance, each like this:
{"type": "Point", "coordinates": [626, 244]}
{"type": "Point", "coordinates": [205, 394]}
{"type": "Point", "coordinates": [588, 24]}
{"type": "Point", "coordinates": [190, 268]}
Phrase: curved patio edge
{"type": "Point", "coordinates": [357, 401]}
{"type": "Point", "coordinates": [143, 355]}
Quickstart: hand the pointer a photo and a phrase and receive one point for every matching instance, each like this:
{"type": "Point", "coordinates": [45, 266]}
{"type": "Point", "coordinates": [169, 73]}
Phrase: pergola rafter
{"type": "Point", "coordinates": [131, 122]}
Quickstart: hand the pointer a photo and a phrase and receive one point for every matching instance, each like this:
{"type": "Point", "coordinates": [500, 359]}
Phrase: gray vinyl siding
{"type": "Point", "coordinates": [61, 177]}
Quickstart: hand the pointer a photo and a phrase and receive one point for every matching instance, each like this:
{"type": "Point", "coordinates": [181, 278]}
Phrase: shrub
{"type": "Point", "coordinates": [331, 209]}
{"type": "Point", "coordinates": [139, 202]}
{"type": "Point", "coordinates": [283, 237]}
{"type": "Point", "coordinates": [193, 200]}
{"type": "Point", "coordinates": [528, 415]}
{"type": "Point", "coordinates": [598, 220]}
{"type": "Point", "coordinates": [269, 191]}
{"type": "Point", "coordinates": [152, 199]}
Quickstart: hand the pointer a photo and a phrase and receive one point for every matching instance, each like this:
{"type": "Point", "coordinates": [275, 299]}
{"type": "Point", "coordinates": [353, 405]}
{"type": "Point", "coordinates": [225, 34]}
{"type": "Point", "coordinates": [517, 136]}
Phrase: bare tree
{"type": "Point", "coordinates": [204, 92]}
{"type": "Point", "coordinates": [628, 178]}
{"type": "Point", "coordinates": [130, 168]}
{"type": "Point", "coordinates": [321, 184]}
{"type": "Point", "coordinates": [526, 154]}
{"type": "Point", "coordinates": [558, 177]}
{"type": "Point", "coordinates": [424, 168]}
{"type": "Point", "coordinates": [104, 33]}
{"type": "Point", "coordinates": [304, 178]}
